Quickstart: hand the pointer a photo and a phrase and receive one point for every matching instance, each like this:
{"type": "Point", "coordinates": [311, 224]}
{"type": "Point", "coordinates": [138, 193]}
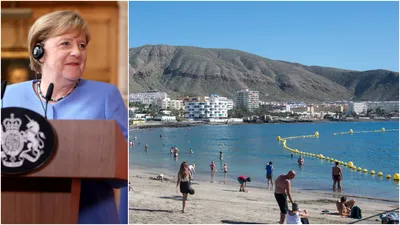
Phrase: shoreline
{"type": "Point", "coordinates": [188, 124]}
{"type": "Point", "coordinates": [153, 201]}
{"type": "Point", "coordinates": [257, 185]}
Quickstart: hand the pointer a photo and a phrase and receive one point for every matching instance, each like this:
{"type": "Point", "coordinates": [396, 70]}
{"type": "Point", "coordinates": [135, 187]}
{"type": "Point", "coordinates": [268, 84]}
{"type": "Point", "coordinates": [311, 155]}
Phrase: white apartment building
{"type": "Point", "coordinates": [212, 107]}
{"type": "Point", "coordinates": [363, 107]}
{"type": "Point", "coordinates": [147, 98]}
{"type": "Point", "coordinates": [171, 104]}
{"type": "Point", "coordinates": [248, 99]}
{"type": "Point", "coordinates": [388, 106]}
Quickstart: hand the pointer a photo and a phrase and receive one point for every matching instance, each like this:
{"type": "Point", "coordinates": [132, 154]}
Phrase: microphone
{"type": "Point", "coordinates": [49, 93]}
{"type": "Point", "coordinates": [3, 88]}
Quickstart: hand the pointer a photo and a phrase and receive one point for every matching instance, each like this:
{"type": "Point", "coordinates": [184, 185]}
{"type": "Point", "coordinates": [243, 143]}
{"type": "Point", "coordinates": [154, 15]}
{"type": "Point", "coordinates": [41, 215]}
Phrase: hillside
{"type": "Point", "coordinates": [199, 71]}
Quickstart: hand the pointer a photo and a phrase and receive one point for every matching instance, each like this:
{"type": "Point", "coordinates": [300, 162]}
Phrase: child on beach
{"type": "Point", "coordinates": [242, 181]}
{"type": "Point", "coordinates": [295, 216]}
{"type": "Point", "coordinates": [225, 168]}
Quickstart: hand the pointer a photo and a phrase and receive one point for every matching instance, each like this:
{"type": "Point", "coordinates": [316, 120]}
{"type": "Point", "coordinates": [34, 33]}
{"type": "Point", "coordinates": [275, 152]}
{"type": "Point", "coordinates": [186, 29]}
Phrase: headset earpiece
{"type": "Point", "coordinates": [38, 51]}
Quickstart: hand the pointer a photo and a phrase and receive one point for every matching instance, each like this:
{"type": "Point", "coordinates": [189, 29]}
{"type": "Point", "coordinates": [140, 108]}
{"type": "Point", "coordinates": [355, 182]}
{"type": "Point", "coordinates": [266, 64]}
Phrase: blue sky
{"type": "Point", "coordinates": [348, 35]}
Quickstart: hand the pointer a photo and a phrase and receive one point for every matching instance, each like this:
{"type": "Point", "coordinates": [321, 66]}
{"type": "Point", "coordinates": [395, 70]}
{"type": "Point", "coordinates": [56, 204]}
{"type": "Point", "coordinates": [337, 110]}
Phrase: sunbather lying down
{"type": "Point", "coordinates": [344, 207]}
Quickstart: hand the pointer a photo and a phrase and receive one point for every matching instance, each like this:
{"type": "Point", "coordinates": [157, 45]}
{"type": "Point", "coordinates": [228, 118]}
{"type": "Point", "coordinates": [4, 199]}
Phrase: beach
{"type": "Point", "coordinates": [156, 202]}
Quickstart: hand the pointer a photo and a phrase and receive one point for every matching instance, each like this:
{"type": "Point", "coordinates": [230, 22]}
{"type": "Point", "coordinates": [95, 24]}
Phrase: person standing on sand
{"type": "Point", "coordinates": [337, 176]}
{"type": "Point", "coordinates": [269, 168]}
{"type": "Point", "coordinates": [225, 168]}
{"type": "Point", "coordinates": [183, 182]}
{"type": "Point", "coordinates": [282, 191]}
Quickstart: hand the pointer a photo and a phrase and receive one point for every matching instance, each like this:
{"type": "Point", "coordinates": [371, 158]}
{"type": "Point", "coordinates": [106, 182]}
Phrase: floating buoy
{"type": "Point", "coordinates": [365, 171]}
{"type": "Point", "coordinates": [351, 131]}
{"type": "Point", "coordinates": [350, 164]}
{"type": "Point", "coordinates": [396, 176]}
{"type": "Point", "coordinates": [316, 134]}
{"type": "Point", "coordinates": [383, 129]}
{"type": "Point", "coordinates": [372, 172]}
{"type": "Point", "coordinates": [278, 138]}
{"type": "Point", "coordinates": [380, 174]}
{"type": "Point", "coordinates": [388, 176]}
{"type": "Point", "coordinates": [359, 169]}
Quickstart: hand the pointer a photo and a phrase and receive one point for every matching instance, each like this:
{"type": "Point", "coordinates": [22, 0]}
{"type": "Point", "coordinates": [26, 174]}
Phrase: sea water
{"type": "Point", "coordinates": [248, 148]}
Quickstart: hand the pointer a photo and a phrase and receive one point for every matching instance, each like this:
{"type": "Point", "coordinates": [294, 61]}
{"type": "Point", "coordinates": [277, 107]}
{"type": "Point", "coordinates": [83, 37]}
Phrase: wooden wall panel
{"type": "Point", "coordinates": [102, 17]}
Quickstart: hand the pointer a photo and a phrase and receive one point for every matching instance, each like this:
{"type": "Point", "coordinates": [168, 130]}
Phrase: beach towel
{"type": "Point", "coordinates": [355, 212]}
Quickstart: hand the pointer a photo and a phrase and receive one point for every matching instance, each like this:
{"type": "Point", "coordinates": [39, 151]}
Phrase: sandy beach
{"type": "Point", "coordinates": [156, 202]}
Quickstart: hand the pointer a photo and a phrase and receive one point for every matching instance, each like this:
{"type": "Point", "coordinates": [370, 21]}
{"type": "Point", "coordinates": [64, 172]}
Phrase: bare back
{"type": "Point", "coordinates": [336, 171]}
{"type": "Point", "coordinates": [281, 184]}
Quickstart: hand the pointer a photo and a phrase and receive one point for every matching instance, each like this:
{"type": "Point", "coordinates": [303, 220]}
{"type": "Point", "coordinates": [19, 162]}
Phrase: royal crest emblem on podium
{"type": "Point", "coordinates": [24, 139]}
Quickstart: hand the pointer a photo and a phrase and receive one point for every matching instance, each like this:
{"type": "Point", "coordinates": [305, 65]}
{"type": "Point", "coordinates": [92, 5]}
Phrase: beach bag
{"type": "Point", "coordinates": [191, 190]}
{"type": "Point", "coordinates": [355, 212]}
{"type": "Point", "coordinates": [304, 221]}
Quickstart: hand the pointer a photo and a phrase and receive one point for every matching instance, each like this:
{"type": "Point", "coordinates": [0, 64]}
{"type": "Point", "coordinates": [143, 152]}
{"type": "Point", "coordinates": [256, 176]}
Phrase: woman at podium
{"type": "Point", "coordinates": [57, 45]}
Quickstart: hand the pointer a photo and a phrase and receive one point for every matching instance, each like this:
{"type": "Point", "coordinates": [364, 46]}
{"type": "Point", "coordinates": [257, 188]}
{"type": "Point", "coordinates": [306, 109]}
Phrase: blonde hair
{"type": "Point", "coordinates": [51, 25]}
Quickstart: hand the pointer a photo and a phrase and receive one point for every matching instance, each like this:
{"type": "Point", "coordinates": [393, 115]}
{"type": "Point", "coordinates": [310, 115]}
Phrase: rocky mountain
{"type": "Point", "coordinates": [193, 71]}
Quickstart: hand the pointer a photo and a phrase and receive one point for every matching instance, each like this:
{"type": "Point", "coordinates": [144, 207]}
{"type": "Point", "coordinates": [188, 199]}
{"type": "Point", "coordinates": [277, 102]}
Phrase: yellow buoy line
{"type": "Point", "coordinates": [320, 156]}
{"type": "Point", "coordinates": [366, 131]}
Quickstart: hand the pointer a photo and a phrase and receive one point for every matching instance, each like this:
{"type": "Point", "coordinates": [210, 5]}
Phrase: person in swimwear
{"type": "Point", "coordinates": [337, 176]}
{"type": "Point", "coordinates": [300, 161]}
{"type": "Point", "coordinates": [282, 191]}
{"type": "Point", "coordinates": [212, 166]}
{"type": "Point", "coordinates": [242, 181]}
{"type": "Point", "coordinates": [344, 207]}
{"type": "Point", "coordinates": [225, 168]}
{"type": "Point", "coordinates": [176, 151]}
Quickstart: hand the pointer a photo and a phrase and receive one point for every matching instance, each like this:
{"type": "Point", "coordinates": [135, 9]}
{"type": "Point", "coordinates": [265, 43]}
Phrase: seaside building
{"type": "Point", "coordinates": [147, 98]}
{"type": "Point", "coordinates": [363, 107]}
{"type": "Point", "coordinates": [171, 104]}
{"type": "Point", "coordinates": [211, 107]}
{"type": "Point", "coordinates": [327, 108]}
{"type": "Point", "coordinates": [248, 99]}
{"type": "Point", "coordinates": [388, 106]}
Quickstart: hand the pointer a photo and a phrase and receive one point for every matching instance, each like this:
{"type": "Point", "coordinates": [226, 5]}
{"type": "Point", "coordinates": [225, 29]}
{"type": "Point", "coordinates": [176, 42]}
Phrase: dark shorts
{"type": "Point", "coordinates": [241, 181]}
{"type": "Point", "coordinates": [282, 202]}
{"type": "Point", "coordinates": [337, 178]}
{"type": "Point", "coordinates": [269, 176]}
{"type": "Point", "coordinates": [184, 187]}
